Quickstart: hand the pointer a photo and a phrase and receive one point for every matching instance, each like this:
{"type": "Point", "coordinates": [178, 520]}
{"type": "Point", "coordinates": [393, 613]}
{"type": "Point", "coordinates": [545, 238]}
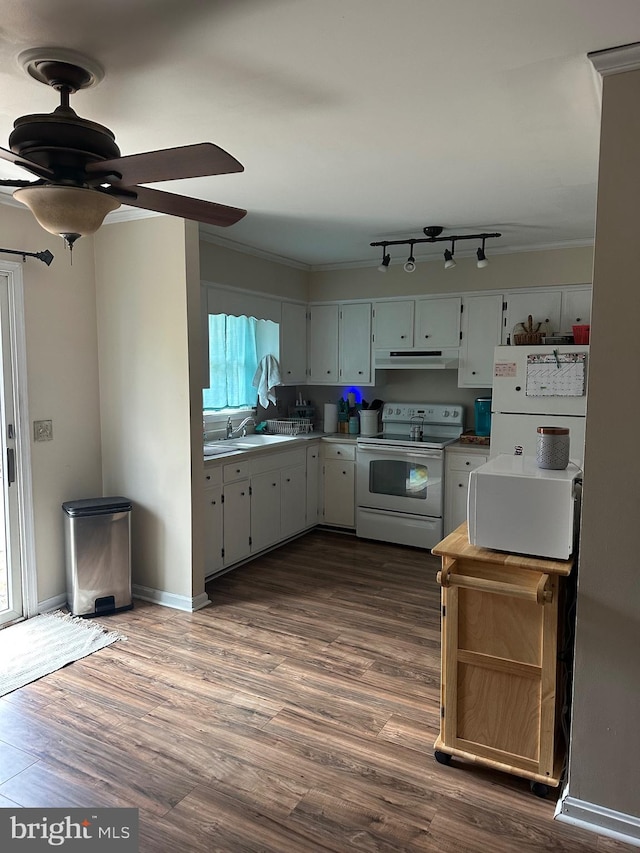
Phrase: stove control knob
{"type": "Point", "coordinates": [446, 413]}
{"type": "Point", "coordinates": [397, 411]}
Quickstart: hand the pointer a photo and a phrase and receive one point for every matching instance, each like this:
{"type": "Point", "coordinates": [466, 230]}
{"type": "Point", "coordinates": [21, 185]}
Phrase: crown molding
{"type": "Point", "coordinates": [224, 242]}
{"type": "Point", "coordinates": [503, 250]}
{"type": "Point", "coordinates": [616, 60]}
{"type": "Point", "coordinates": [125, 213]}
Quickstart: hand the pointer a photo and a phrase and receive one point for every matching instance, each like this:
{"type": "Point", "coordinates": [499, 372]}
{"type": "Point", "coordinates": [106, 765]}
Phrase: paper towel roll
{"type": "Point", "coordinates": [330, 417]}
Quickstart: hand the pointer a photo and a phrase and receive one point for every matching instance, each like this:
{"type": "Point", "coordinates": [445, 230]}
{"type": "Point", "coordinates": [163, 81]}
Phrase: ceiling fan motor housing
{"type": "Point", "coordinates": [62, 141]}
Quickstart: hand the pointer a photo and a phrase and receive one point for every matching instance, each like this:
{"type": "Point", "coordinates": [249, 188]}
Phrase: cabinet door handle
{"type": "Point", "coordinates": [426, 336]}
{"type": "Point", "coordinates": [11, 466]}
{"type": "Point", "coordinates": [213, 503]}
{"type": "Point", "coordinates": [208, 477]}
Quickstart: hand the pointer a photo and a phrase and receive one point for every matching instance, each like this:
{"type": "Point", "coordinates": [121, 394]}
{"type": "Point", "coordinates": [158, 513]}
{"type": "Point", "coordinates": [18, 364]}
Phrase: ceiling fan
{"type": "Point", "coordinates": [80, 173]}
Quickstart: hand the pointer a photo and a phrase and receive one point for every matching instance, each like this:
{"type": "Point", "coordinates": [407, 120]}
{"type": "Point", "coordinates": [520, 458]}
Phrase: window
{"type": "Point", "coordinates": [236, 345]}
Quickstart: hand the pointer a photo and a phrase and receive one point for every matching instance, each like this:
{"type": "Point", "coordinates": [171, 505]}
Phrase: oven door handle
{"type": "Point", "coordinates": [422, 452]}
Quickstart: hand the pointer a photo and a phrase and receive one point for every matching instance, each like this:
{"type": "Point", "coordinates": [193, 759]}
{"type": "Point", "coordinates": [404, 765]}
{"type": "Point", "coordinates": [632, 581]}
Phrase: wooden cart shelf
{"type": "Point", "coordinates": [501, 686]}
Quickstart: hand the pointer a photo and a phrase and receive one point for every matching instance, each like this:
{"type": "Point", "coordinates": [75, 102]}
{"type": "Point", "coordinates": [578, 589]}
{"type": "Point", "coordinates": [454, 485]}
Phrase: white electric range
{"type": "Point", "coordinates": [400, 473]}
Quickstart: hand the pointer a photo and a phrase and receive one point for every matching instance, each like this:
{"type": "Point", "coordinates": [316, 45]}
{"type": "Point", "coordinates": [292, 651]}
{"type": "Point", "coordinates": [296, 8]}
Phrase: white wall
{"type": "Point", "coordinates": [605, 747]}
{"type": "Point", "coordinates": [220, 265]}
{"type": "Point", "coordinates": [526, 269]}
{"type": "Point", "coordinates": [62, 368]}
{"type": "Point", "coordinates": [144, 301]}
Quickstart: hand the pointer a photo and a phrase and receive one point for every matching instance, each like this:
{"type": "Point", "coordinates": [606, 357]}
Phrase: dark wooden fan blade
{"type": "Point", "coordinates": [169, 164]}
{"type": "Point", "coordinates": [178, 205]}
{"type": "Point", "coordinates": [24, 163]}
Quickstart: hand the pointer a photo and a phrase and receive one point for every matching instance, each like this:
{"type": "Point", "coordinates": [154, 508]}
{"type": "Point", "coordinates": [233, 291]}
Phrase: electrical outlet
{"type": "Point", "coordinates": [42, 430]}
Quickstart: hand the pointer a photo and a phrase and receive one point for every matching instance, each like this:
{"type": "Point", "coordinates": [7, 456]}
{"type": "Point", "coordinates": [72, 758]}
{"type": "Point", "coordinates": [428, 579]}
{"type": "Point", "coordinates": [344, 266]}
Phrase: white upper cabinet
{"type": "Point", "coordinates": [544, 306]}
{"type": "Point", "coordinates": [481, 330]}
{"type": "Point", "coordinates": [428, 323]}
{"type": "Point", "coordinates": [340, 344]}
{"type": "Point", "coordinates": [293, 344]}
{"type": "Point", "coordinates": [437, 323]}
{"type": "Point", "coordinates": [355, 342]}
{"type": "Point", "coordinates": [323, 344]}
{"type": "Point", "coordinates": [576, 309]}
{"type": "Point", "coordinates": [393, 324]}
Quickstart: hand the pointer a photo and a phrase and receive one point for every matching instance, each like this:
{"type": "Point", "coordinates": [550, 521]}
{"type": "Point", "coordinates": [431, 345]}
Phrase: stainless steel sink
{"type": "Point", "coordinates": [217, 448]}
{"type": "Point", "coordinates": [260, 440]}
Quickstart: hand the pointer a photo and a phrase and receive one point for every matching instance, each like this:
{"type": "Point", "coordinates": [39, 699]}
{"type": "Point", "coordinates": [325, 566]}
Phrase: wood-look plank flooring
{"type": "Point", "coordinates": [296, 714]}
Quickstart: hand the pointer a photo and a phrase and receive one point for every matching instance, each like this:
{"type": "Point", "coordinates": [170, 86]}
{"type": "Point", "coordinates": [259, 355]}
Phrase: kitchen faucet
{"type": "Point", "coordinates": [242, 426]}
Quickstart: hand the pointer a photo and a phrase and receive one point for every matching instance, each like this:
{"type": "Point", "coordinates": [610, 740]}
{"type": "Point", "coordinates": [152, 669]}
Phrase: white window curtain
{"type": "Point", "coordinates": [233, 360]}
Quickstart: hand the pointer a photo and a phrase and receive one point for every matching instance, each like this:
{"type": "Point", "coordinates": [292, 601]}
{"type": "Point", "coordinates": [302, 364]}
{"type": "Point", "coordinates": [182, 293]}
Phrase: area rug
{"type": "Point", "coordinates": [43, 644]}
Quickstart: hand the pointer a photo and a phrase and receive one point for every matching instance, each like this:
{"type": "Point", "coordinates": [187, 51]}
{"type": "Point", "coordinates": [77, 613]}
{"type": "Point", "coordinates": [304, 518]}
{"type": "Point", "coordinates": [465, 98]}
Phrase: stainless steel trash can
{"type": "Point", "coordinates": [98, 555]}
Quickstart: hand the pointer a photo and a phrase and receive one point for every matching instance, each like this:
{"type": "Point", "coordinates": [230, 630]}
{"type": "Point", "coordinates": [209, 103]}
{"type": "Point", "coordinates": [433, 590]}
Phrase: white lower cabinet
{"type": "Point", "coordinates": [313, 485]}
{"type": "Point", "coordinates": [265, 510]}
{"type": "Point", "coordinates": [293, 491]}
{"type": "Point", "coordinates": [236, 517]}
{"type": "Point", "coordinates": [212, 520]}
{"type": "Point", "coordinates": [253, 503]}
{"type": "Point", "coordinates": [339, 480]}
{"type": "Point", "coordinates": [459, 463]}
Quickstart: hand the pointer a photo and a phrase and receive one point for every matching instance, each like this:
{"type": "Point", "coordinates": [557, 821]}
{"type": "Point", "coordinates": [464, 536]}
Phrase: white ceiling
{"type": "Point", "coordinates": [356, 120]}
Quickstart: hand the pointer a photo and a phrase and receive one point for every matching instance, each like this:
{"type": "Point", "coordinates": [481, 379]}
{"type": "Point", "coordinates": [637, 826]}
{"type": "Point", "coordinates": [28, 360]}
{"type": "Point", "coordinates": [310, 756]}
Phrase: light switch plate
{"type": "Point", "coordinates": [42, 430]}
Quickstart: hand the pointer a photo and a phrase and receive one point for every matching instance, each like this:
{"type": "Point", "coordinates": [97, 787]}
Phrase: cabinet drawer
{"type": "Point", "coordinates": [235, 471]}
{"type": "Point", "coordinates": [212, 476]}
{"type": "Point", "coordinates": [465, 461]}
{"type": "Point", "coordinates": [331, 450]}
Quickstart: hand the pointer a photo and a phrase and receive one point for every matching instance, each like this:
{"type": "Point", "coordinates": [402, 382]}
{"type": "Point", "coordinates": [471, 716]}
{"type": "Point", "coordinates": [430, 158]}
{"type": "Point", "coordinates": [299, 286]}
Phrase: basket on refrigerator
{"type": "Point", "coordinates": [524, 334]}
{"type": "Point", "coordinates": [290, 426]}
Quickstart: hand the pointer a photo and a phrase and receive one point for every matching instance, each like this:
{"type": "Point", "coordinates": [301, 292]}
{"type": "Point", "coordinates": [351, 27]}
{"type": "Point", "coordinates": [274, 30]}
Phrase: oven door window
{"type": "Point", "coordinates": [399, 478]}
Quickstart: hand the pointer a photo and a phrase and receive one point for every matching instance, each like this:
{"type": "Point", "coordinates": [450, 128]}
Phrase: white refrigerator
{"type": "Point", "coordinates": [538, 386]}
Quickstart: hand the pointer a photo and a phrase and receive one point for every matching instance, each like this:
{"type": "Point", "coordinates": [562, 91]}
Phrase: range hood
{"type": "Point", "coordinates": [412, 359]}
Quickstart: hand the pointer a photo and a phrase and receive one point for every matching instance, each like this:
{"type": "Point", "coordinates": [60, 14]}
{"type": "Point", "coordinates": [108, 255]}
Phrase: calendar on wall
{"type": "Point", "coordinates": [556, 374]}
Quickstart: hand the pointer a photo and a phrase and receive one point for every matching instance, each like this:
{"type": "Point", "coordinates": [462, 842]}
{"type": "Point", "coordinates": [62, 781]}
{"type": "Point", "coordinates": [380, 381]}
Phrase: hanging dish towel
{"type": "Point", "coordinates": [267, 376]}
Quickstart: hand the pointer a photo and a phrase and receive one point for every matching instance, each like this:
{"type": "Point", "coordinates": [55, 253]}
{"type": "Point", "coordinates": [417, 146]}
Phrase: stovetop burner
{"type": "Point", "coordinates": [439, 424]}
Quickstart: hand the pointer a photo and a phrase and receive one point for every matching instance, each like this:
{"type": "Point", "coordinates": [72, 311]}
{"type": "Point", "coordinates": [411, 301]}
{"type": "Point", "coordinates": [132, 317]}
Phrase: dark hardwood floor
{"type": "Point", "coordinates": [296, 714]}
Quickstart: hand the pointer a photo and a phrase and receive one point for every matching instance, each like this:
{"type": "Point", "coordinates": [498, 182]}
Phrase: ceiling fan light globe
{"type": "Point", "coordinates": [70, 212]}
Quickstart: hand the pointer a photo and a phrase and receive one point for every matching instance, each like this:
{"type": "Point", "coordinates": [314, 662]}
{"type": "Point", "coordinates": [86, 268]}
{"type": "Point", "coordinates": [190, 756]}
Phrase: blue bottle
{"type": "Point", "coordinates": [483, 415]}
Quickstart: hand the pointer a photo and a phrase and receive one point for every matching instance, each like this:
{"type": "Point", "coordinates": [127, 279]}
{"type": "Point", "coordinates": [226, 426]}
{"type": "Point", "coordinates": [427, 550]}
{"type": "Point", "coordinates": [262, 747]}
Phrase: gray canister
{"type": "Point", "coordinates": [553, 448]}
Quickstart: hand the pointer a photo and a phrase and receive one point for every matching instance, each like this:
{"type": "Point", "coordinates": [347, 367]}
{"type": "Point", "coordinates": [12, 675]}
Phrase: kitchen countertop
{"type": "Point", "coordinates": [290, 442]}
{"type": "Point", "coordinates": [467, 447]}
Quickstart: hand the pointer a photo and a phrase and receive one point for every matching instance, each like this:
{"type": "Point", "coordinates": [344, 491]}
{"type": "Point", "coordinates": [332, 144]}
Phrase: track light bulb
{"type": "Point", "coordinates": [410, 265]}
{"type": "Point", "coordinates": [482, 258]}
{"type": "Point", "coordinates": [449, 263]}
{"type": "Point", "coordinates": [384, 266]}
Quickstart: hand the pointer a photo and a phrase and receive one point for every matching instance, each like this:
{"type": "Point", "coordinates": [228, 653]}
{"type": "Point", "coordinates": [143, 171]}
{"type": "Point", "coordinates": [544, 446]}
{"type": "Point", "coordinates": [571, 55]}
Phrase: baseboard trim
{"type": "Point", "coordinates": [170, 599]}
{"type": "Point", "coordinates": [598, 819]}
{"type": "Point", "coordinates": [54, 603]}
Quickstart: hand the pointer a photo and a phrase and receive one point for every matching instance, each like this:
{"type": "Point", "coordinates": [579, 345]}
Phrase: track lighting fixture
{"type": "Point", "coordinates": [386, 260]}
{"type": "Point", "coordinates": [432, 235]}
{"type": "Point", "coordinates": [482, 258]}
{"type": "Point", "coordinates": [410, 265]}
{"type": "Point", "coordinates": [449, 263]}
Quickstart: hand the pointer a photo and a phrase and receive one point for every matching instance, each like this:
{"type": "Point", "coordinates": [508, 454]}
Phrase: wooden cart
{"type": "Point", "coordinates": [502, 689]}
